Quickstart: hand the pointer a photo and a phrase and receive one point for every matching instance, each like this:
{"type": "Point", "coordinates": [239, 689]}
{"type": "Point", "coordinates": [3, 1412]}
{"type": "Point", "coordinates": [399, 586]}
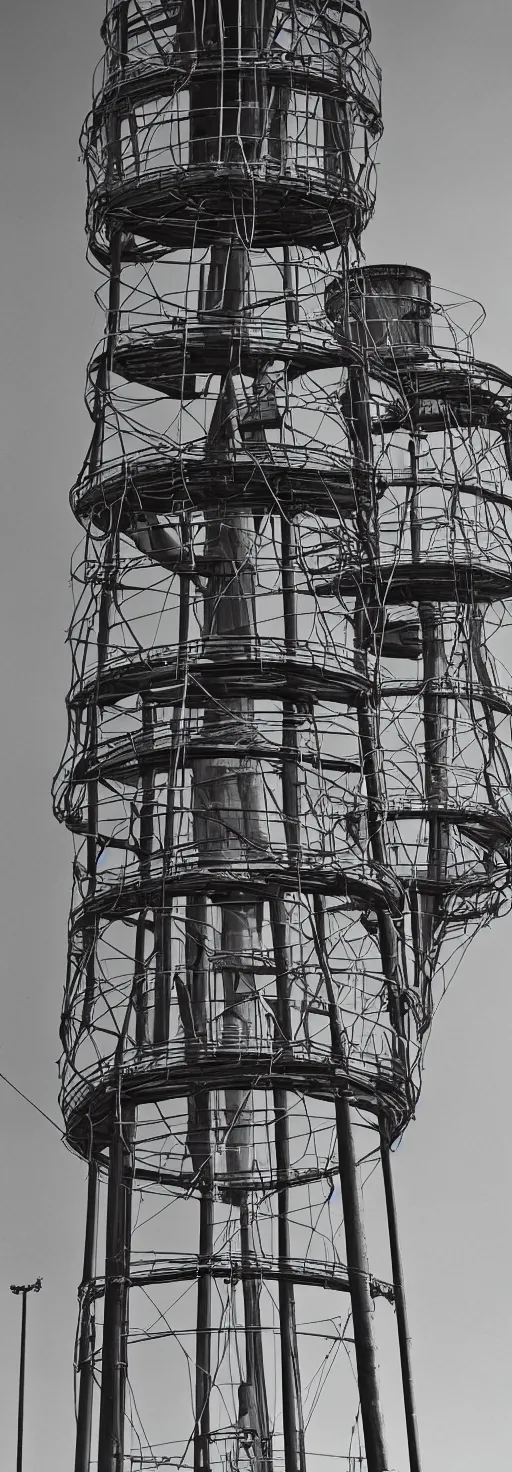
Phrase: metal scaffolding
{"type": "Point", "coordinates": [287, 769]}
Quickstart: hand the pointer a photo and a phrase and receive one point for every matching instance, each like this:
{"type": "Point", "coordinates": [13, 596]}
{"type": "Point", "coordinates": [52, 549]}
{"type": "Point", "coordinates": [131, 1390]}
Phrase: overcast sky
{"type": "Point", "coordinates": [444, 204]}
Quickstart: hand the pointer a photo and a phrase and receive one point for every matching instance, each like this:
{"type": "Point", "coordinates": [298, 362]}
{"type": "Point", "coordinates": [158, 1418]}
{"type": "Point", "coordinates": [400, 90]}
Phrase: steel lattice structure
{"type": "Point", "coordinates": [288, 759]}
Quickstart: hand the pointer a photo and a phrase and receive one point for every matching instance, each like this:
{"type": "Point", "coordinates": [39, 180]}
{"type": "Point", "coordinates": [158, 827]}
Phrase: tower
{"type": "Point", "coordinates": [287, 764]}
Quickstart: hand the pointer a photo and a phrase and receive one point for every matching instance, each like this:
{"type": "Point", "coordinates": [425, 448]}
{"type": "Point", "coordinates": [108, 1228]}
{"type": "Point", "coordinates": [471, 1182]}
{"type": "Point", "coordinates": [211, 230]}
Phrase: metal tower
{"type": "Point", "coordinates": [287, 768]}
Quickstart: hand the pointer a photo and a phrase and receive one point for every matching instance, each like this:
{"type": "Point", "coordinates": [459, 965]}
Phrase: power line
{"type": "Point", "coordinates": [31, 1102]}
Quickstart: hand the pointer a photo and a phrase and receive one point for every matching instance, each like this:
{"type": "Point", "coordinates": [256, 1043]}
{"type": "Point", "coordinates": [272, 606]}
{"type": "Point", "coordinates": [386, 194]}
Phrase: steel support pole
{"type": "Point", "coordinates": [401, 1311]}
{"type": "Point", "coordinates": [115, 1322]}
{"type": "Point", "coordinates": [255, 1365]}
{"type": "Point", "coordinates": [360, 1297]}
{"type": "Point", "coordinates": [293, 1426]}
{"type": "Point", "coordinates": [293, 1421]}
{"type": "Point", "coordinates": [357, 1264]}
{"type": "Point", "coordinates": [23, 1288]}
{"type": "Point", "coordinates": [21, 1394]}
{"type": "Point", "coordinates": [204, 1336]}
{"type": "Point", "coordinates": [85, 1366]}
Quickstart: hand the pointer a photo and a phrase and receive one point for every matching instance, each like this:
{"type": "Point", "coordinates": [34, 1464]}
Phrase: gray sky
{"type": "Point", "coordinates": [443, 203]}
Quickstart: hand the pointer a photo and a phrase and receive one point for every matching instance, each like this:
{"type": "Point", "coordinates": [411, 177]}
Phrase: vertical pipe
{"type": "Point", "coordinates": [291, 300]}
{"type": "Point", "coordinates": [401, 1310]}
{"type": "Point", "coordinates": [246, 1252]}
{"type": "Point", "coordinates": [255, 1368]}
{"type": "Point", "coordinates": [293, 1424]}
{"type": "Point", "coordinates": [145, 851]}
{"type": "Point", "coordinates": [163, 966]}
{"type": "Point", "coordinates": [290, 734]}
{"type": "Point", "coordinates": [117, 1268]}
{"type": "Point", "coordinates": [358, 1276]}
{"type": "Point", "coordinates": [21, 1394]}
{"type": "Point", "coordinates": [107, 357]}
{"type": "Point", "coordinates": [163, 915]}
{"type": "Point", "coordinates": [357, 1263]}
{"type": "Point", "coordinates": [85, 1364]}
{"type": "Point", "coordinates": [436, 728]}
{"type": "Point", "coordinates": [435, 705]}
{"type": "Point", "coordinates": [95, 452]}
{"type": "Point", "coordinates": [358, 416]}
{"type": "Point", "coordinates": [203, 1336]}
{"type": "Point", "coordinates": [199, 1145]}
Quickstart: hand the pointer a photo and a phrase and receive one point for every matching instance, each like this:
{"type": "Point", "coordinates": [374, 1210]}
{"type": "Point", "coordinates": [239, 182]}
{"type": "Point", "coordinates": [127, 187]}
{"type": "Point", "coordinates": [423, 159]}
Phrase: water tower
{"type": "Point", "coordinates": [287, 768]}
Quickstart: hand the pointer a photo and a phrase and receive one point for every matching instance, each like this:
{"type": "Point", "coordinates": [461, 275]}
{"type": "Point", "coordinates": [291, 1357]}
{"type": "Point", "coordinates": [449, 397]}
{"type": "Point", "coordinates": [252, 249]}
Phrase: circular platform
{"type": "Point", "coordinates": [427, 581]}
{"type": "Point", "coordinates": [352, 27]}
{"type": "Point", "coordinates": [233, 1269]}
{"type": "Point", "coordinates": [266, 204]}
{"type": "Point", "coordinates": [169, 360]}
{"type": "Point", "coordinates": [195, 134]}
{"type": "Point", "coordinates": [491, 823]}
{"type": "Point", "coordinates": [323, 71]}
{"type": "Point", "coordinates": [444, 392]}
{"type": "Point", "coordinates": [375, 1085]}
{"type": "Point", "coordinates": [264, 480]}
{"type": "Point", "coordinates": [499, 698]}
{"type": "Point", "coordinates": [123, 760]}
{"type": "Point", "coordinates": [222, 879]}
{"type": "Point", "coordinates": [478, 852]}
{"type": "Point", "coordinates": [274, 873]}
{"type": "Point", "coordinates": [227, 668]}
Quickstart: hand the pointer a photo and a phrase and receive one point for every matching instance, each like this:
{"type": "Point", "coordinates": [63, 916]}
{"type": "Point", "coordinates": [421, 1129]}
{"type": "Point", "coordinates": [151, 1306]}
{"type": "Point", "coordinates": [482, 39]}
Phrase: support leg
{"type": "Point", "coordinates": [401, 1311]}
{"type": "Point", "coordinates": [85, 1366]}
{"type": "Point", "coordinates": [203, 1338]}
{"type": "Point", "coordinates": [117, 1268]}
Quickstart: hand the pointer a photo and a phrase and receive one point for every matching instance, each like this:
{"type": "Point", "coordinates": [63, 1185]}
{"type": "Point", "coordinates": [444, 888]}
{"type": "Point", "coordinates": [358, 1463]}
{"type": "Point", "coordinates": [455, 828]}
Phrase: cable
{"type": "Point", "coordinates": [31, 1102]}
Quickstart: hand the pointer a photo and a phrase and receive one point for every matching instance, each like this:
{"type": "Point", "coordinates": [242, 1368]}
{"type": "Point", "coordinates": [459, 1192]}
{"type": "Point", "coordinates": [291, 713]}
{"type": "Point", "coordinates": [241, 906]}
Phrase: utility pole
{"type": "Point", "coordinates": [24, 1289]}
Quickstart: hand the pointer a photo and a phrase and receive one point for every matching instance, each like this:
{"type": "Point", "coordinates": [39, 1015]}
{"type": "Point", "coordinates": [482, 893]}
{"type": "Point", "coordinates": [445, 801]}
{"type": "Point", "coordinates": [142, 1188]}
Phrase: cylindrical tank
{"type": "Point", "coordinates": [389, 308]}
